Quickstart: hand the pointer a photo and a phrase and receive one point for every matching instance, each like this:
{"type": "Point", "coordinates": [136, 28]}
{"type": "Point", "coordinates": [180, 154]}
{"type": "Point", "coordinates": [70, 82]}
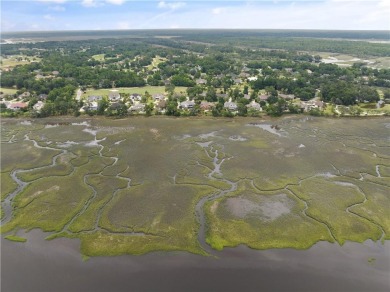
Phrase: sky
{"type": "Point", "coordinates": [42, 15]}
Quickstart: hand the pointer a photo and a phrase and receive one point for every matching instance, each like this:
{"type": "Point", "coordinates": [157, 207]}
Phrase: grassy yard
{"type": "Point", "coordinates": [8, 90]}
{"type": "Point", "coordinates": [99, 57]}
{"type": "Point", "coordinates": [130, 90]}
{"type": "Point", "coordinates": [156, 60]}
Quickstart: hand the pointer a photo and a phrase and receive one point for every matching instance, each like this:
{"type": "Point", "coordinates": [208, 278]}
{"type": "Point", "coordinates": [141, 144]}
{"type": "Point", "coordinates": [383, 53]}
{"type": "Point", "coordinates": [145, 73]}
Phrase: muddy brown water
{"type": "Point", "coordinates": [40, 265]}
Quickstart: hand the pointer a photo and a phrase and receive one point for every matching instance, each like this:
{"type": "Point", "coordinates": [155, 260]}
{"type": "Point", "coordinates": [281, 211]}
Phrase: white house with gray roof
{"type": "Point", "coordinates": [188, 104]}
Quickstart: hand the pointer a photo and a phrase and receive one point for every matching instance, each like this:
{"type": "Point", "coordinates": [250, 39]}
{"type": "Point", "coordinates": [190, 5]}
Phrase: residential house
{"type": "Point", "coordinates": [307, 106]}
{"type": "Point", "coordinates": [222, 95]}
{"type": "Point", "coordinates": [38, 106]}
{"type": "Point", "coordinates": [114, 95]}
{"type": "Point", "coordinates": [232, 106]}
{"type": "Point", "coordinates": [254, 105]}
{"type": "Point", "coordinates": [287, 96]}
{"type": "Point", "coordinates": [92, 106]}
{"type": "Point", "coordinates": [39, 76]}
{"type": "Point", "coordinates": [188, 104]}
{"type": "Point", "coordinates": [205, 105]}
{"type": "Point", "coordinates": [263, 97]}
{"type": "Point", "coordinates": [137, 108]}
{"type": "Point", "coordinates": [136, 97]}
{"type": "Point", "coordinates": [42, 96]}
{"type": "Point", "coordinates": [252, 78]}
{"type": "Point", "coordinates": [158, 97]}
{"type": "Point", "coordinates": [94, 98]}
{"type": "Point", "coordinates": [17, 105]}
{"type": "Point", "coordinates": [201, 81]}
{"type": "Point", "coordinates": [244, 75]}
{"type": "Point", "coordinates": [237, 81]}
{"type": "Point", "coordinates": [24, 95]}
{"type": "Point", "coordinates": [161, 106]}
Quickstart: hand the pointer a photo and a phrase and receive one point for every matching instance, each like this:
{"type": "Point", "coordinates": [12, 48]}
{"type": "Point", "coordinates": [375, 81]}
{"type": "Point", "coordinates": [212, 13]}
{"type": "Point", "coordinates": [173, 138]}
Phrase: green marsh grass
{"type": "Point", "coordinates": [15, 238]}
{"type": "Point", "coordinates": [155, 213]}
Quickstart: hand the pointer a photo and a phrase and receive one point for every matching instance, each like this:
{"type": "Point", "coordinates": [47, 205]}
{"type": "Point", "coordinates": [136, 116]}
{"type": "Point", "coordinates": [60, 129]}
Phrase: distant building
{"type": "Point", "coordinates": [205, 105]}
{"type": "Point", "coordinates": [137, 108]}
{"type": "Point", "coordinates": [254, 105]}
{"type": "Point", "coordinates": [94, 98]}
{"type": "Point", "coordinates": [263, 97]}
{"type": "Point", "coordinates": [230, 105]}
{"type": "Point", "coordinates": [188, 104]}
{"type": "Point", "coordinates": [201, 81]}
{"type": "Point", "coordinates": [38, 106]}
{"type": "Point", "coordinates": [136, 97]}
{"type": "Point", "coordinates": [287, 96]}
{"type": "Point", "coordinates": [158, 97]}
{"type": "Point", "coordinates": [114, 95]}
{"type": "Point", "coordinates": [42, 96]}
{"type": "Point", "coordinates": [17, 106]}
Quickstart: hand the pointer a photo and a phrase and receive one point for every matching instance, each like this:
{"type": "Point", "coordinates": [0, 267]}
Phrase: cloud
{"type": "Point", "coordinates": [217, 10]}
{"type": "Point", "coordinates": [116, 2]}
{"type": "Point", "coordinates": [89, 3]}
{"type": "Point", "coordinates": [53, 1]}
{"type": "Point", "coordinates": [7, 25]}
{"type": "Point", "coordinates": [123, 25]}
{"type": "Point", "coordinates": [353, 15]}
{"type": "Point", "coordinates": [57, 8]}
{"type": "Point", "coordinates": [171, 5]}
{"type": "Point", "coordinates": [48, 17]}
{"type": "Point", "coordinates": [35, 26]}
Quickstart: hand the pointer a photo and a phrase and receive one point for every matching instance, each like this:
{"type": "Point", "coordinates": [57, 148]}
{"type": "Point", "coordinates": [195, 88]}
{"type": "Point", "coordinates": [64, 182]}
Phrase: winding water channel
{"type": "Point", "coordinates": [57, 266]}
{"type": "Point", "coordinates": [21, 185]}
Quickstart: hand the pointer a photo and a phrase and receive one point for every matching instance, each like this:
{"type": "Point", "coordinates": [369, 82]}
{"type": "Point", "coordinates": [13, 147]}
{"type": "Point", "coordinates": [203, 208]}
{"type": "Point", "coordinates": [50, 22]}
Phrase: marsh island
{"type": "Point", "coordinates": [136, 185]}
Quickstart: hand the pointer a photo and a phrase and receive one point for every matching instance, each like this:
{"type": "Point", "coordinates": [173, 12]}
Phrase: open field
{"type": "Point", "coordinates": [130, 90]}
{"type": "Point", "coordinates": [348, 60]}
{"type": "Point", "coordinates": [8, 90]}
{"type": "Point", "coordinates": [156, 60]}
{"type": "Point", "coordinates": [99, 57]}
{"type": "Point", "coordinates": [136, 185]}
{"type": "Point", "coordinates": [15, 60]}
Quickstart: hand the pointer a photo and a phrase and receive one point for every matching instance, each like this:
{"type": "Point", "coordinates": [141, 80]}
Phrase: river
{"type": "Point", "coordinates": [40, 265]}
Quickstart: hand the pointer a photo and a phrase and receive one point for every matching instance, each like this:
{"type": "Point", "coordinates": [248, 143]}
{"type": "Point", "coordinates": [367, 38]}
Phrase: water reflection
{"type": "Point", "coordinates": [56, 265]}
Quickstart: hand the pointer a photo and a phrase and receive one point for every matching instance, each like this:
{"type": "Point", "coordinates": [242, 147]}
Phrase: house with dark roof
{"type": "Point", "coordinates": [95, 98]}
{"type": "Point", "coordinates": [158, 97]}
{"type": "Point", "coordinates": [136, 97]}
{"type": "Point", "coordinates": [42, 96]}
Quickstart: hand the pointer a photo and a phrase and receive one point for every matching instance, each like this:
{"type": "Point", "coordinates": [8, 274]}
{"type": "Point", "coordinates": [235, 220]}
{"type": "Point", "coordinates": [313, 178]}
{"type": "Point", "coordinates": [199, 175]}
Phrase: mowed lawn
{"type": "Point", "coordinates": [130, 90]}
{"type": "Point", "coordinates": [8, 90]}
